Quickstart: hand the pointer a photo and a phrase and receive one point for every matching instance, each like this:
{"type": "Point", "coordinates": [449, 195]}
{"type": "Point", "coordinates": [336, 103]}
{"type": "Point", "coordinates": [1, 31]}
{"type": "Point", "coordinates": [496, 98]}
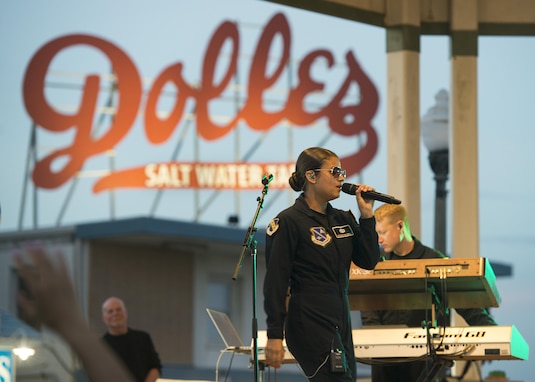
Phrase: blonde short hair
{"type": "Point", "coordinates": [391, 213]}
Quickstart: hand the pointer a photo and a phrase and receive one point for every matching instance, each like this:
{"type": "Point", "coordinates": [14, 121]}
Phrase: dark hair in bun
{"type": "Point", "coordinates": [309, 159]}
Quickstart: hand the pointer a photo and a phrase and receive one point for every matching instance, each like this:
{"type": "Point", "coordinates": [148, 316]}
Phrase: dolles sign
{"type": "Point", "coordinates": [55, 169]}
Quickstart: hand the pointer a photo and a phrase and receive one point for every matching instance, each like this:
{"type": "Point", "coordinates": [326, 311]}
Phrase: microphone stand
{"type": "Point", "coordinates": [250, 243]}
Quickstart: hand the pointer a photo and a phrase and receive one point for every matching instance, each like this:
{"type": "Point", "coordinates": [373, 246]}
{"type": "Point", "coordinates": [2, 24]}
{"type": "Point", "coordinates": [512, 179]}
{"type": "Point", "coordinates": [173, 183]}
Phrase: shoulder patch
{"type": "Point", "coordinates": [320, 236]}
{"type": "Point", "coordinates": [273, 226]}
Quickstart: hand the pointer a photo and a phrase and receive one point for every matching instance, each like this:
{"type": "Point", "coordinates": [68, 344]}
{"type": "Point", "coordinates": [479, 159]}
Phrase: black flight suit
{"type": "Point", "coordinates": [311, 253]}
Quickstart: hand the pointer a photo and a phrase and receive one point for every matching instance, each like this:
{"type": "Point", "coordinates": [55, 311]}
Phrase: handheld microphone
{"type": "Point", "coordinates": [351, 189]}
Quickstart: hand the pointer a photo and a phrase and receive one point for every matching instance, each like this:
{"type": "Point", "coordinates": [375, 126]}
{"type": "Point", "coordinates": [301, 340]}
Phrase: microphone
{"type": "Point", "coordinates": [351, 189]}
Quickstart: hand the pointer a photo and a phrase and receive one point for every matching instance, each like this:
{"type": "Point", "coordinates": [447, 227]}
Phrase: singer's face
{"type": "Point", "coordinates": [390, 234]}
{"type": "Point", "coordinates": [329, 181]}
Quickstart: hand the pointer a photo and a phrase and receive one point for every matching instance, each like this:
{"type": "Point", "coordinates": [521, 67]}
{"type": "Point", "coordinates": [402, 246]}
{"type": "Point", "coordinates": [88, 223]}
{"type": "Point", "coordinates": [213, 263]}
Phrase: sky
{"type": "Point", "coordinates": [157, 34]}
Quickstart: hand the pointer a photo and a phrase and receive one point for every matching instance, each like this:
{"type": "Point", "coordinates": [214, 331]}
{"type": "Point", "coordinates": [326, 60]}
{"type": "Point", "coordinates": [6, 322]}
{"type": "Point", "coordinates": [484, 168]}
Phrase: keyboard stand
{"type": "Point", "coordinates": [437, 364]}
{"type": "Point", "coordinates": [434, 364]}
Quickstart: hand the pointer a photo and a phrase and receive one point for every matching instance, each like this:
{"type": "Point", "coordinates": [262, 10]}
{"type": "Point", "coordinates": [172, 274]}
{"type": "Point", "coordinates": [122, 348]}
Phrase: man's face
{"type": "Point", "coordinates": [390, 234]}
{"type": "Point", "coordinates": [114, 314]}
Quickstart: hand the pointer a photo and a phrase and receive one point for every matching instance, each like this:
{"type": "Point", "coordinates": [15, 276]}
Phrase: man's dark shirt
{"type": "Point", "coordinates": [136, 350]}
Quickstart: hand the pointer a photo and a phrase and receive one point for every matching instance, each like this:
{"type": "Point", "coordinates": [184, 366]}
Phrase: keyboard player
{"type": "Point", "coordinates": [397, 242]}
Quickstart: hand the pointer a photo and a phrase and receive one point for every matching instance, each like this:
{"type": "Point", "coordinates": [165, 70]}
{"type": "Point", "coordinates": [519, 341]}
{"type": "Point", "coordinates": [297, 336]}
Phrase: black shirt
{"type": "Point", "coordinates": [136, 350]}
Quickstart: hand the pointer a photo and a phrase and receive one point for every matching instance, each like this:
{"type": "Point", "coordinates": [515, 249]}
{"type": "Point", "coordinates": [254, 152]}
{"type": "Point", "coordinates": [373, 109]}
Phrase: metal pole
{"type": "Point", "coordinates": [439, 161]}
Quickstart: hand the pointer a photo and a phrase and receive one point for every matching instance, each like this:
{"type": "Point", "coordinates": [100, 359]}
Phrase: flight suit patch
{"type": "Point", "coordinates": [320, 236]}
{"type": "Point", "coordinates": [272, 227]}
{"type": "Point", "coordinates": [342, 231]}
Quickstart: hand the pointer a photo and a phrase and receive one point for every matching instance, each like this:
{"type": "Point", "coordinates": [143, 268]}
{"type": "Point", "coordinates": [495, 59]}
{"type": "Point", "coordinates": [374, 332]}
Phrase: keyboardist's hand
{"type": "Point", "coordinates": [274, 352]}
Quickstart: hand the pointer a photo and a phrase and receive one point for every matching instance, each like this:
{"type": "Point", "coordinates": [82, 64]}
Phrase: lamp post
{"type": "Point", "coordinates": [435, 134]}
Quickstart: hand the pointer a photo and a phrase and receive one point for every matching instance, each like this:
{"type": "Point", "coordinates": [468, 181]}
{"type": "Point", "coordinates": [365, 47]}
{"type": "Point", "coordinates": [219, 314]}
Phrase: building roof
{"type": "Point", "coordinates": [148, 231]}
{"type": "Point", "coordinates": [168, 234]}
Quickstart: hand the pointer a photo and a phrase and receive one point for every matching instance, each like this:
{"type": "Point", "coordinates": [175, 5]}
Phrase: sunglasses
{"type": "Point", "coordinates": [335, 171]}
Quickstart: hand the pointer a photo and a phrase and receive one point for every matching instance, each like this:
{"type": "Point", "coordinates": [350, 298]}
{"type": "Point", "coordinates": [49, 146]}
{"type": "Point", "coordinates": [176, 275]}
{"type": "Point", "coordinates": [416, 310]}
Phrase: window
{"type": "Point", "coordinates": [218, 298]}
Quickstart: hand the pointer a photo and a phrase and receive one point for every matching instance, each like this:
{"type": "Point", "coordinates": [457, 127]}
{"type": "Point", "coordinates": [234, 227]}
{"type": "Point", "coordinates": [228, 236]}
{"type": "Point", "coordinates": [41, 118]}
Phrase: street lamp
{"type": "Point", "coordinates": [435, 134]}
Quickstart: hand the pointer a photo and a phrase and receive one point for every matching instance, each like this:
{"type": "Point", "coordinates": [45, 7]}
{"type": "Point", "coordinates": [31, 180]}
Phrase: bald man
{"type": "Point", "coordinates": [134, 347]}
